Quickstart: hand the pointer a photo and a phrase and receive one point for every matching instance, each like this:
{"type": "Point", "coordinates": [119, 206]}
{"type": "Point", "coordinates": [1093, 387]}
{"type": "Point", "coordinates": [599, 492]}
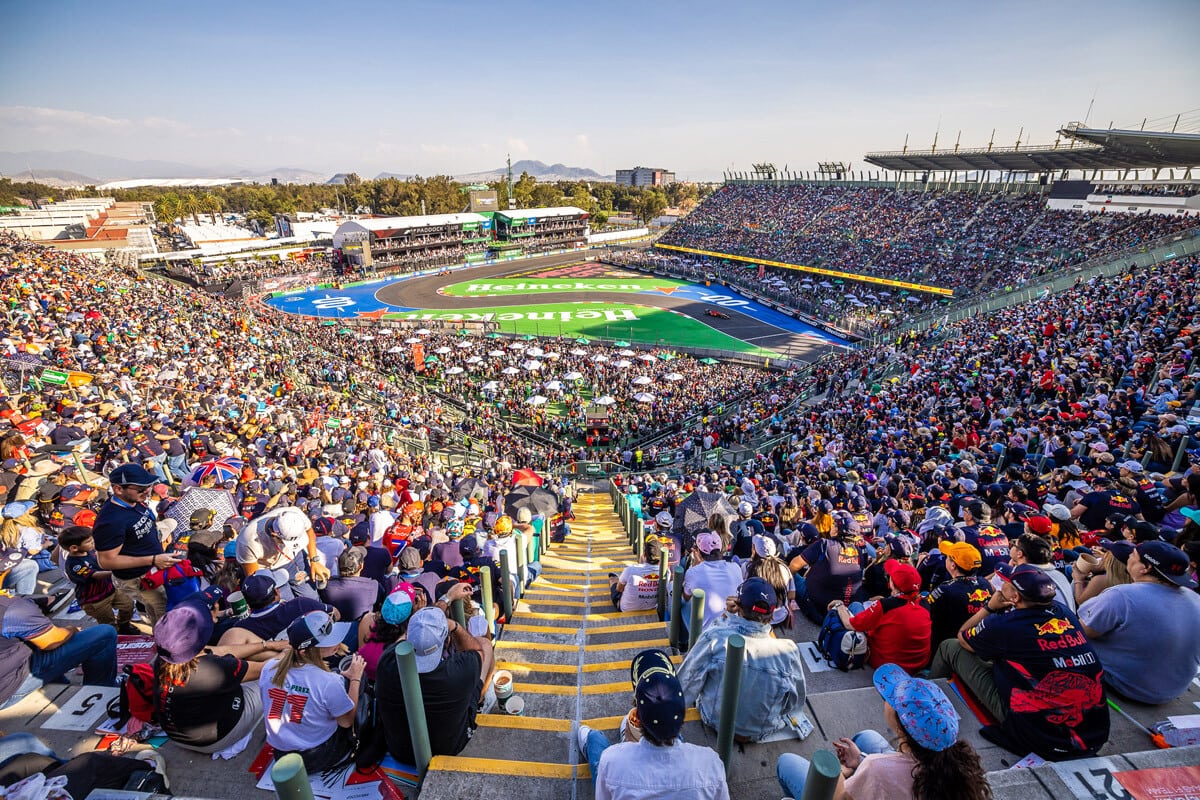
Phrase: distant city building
{"type": "Point", "coordinates": [644, 176]}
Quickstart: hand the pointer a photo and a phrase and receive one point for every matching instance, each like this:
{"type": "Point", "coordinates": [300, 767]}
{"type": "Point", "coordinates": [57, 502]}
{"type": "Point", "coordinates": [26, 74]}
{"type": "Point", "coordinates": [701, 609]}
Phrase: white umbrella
{"type": "Point", "coordinates": [572, 376]}
{"type": "Point", "coordinates": [828, 301]}
{"type": "Point", "coordinates": [622, 364]}
{"type": "Point", "coordinates": [531, 365]}
{"type": "Point", "coordinates": [386, 331]}
{"type": "Point", "coordinates": [474, 360]}
{"type": "Point", "coordinates": [510, 371]}
{"type": "Point", "coordinates": [536, 400]}
{"type": "Point", "coordinates": [491, 386]}
{"type": "Point", "coordinates": [536, 352]}
{"type": "Point", "coordinates": [600, 359]}
{"type": "Point", "coordinates": [463, 345]}
{"type": "Point", "coordinates": [443, 350]}
{"type": "Point", "coordinates": [496, 353]}
{"type": "Point", "coordinates": [626, 353]}
{"type": "Point", "coordinates": [412, 340]}
{"type": "Point", "coordinates": [366, 337]}
{"type": "Point", "coordinates": [642, 380]}
{"type": "Point", "coordinates": [516, 346]}
{"type": "Point", "coordinates": [554, 386]}
{"type": "Point", "coordinates": [646, 357]}
{"type": "Point", "coordinates": [396, 349]}
{"type": "Point", "coordinates": [607, 400]}
{"type": "Point", "coordinates": [553, 356]}
{"type": "Point", "coordinates": [644, 397]}
{"type": "Point", "coordinates": [423, 331]}
{"type": "Point", "coordinates": [577, 351]}
{"type": "Point", "coordinates": [455, 371]}
{"type": "Point", "coordinates": [672, 376]}
{"type": "Point", "coordinates": [825, 285]}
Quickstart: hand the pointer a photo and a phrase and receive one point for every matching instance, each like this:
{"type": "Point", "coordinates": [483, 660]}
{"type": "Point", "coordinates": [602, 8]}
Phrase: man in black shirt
{"type": "Point", "coordinates": [1095, 506]}
{"type": "Point", "coordinates": [350, 593]}
{"type": "Point", "coordinates": [953, 602]}
{"type": "Point", "coordinates": [127, 539]}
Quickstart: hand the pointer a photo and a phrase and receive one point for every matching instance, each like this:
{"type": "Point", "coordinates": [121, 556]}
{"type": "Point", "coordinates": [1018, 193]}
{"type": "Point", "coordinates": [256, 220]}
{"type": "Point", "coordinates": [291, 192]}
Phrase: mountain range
{"type": "Point", "coordinates": [82, 168]}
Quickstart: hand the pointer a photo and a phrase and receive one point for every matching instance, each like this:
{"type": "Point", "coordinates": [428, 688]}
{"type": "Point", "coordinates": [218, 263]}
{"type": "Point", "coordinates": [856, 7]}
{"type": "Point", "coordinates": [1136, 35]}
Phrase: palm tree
{"type": "Point", "coordinates": [168, 208]}
{"type": "Point", "coordinates": [191, 205]}
{"type": "Point", "coordinates": [211, 205]}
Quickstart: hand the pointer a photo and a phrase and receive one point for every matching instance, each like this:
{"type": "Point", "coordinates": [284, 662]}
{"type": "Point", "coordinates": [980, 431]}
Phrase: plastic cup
{"type": "Point", "coordinates": [503, 685]}
{"type": "Point", "coordinates": [514, 705]}
{"type": "Point", "coordinates": [238, 605]}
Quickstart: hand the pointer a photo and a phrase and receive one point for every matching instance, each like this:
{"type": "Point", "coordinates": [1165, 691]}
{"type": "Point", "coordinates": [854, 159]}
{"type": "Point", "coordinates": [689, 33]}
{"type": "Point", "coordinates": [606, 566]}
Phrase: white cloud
{"type": "Point", "coordinates": [518, 146]}
{"type": "Point", "coordinates": [54, 118]}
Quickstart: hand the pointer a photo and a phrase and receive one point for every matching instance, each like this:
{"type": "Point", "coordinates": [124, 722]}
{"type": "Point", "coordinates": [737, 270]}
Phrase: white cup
{"type": "Point", "coordinates": [503, 684]}
{"type": "Point", "coordinates": [514, 705]}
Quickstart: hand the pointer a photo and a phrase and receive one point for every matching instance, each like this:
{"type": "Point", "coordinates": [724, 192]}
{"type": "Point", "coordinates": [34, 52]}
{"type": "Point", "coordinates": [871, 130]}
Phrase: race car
{"type": "Point", "coordinates": [712, 312]}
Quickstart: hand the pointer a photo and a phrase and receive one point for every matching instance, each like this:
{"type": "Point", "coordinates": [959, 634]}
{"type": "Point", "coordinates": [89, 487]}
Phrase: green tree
{"type": "Point", "coordinates": [523, 190]}
{"type": "Point", "coordinates": [649, 205]}
{"type": "Point", "coordinates": [191, 205]}
{"type": "Point", "coordinates": [546, 195]}
{"type": "Point", "coordinates": [582, 198]}
{"type": "Point", "coordinates": [211, 205]}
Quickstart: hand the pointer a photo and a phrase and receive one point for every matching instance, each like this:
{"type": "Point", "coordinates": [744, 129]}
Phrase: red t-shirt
{"type": "Point", "coordinates": [898, 632]}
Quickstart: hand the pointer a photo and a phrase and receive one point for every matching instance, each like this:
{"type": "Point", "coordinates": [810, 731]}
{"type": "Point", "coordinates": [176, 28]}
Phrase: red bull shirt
{"type": "Point", "coordinates": [1048, 675]}
{"type": "Point", "coordinates": [992, 544]}
{"type": "Point", "coordinates": [954, 602]}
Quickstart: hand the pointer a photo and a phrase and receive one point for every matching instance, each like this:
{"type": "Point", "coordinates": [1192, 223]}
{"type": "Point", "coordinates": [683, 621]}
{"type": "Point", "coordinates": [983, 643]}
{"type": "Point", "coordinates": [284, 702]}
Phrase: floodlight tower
{"type": "Point", "coordinates": [511, 204]}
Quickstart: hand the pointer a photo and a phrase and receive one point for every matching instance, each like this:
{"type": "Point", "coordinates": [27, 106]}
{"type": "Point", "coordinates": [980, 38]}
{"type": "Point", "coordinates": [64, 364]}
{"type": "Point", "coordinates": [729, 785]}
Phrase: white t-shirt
{"type": "Point", "coordinates": [330, 548]}
{"type": "Point", "coordinates": [641, 587]}
{"type": "Point", "coordinates": [250, 548]}
{"type": "Point", "coordinates": [718, 579]}
{"type": "Point", "coordinates": [380, 521]}
{"type": "Point", "coordinates": [303, 712]}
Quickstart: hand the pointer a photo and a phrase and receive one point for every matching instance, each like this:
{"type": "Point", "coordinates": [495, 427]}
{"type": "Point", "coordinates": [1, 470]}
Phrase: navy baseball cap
{"type": "Point", "coordinates": [469, 547]}
{"type": "Point", "coordinates": [658, 697]}
{"type": "Point", "coordinates": [132, 475]}
{"type": "Point", "coordinates": [1031, 582]}
{"type": "Point", "coordinates": [756, 595]}
{"type": "Point", "coordinates": [1120, 548]}
{"type": "Point", "coordinates": [1168, 561]}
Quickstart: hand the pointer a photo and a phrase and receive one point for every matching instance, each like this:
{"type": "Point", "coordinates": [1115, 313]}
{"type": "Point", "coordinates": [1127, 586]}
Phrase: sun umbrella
{"type": "Point", "coordinates": [526, 477]}
{"type": "Point", "coordinates": [620, 344]}
{"type": "Point", "coordinates": [516, 346]}
{"type": "Point", "coordinates": [441, 351]}
{"type": "Point", "coordinates": [535, 352]}
{"type": "Point", "coordinates": [455, 371]}
{"type": "Point", "coordinates": [463, 344]}
{"type": "Point", "coordinates": [394, 350]}
{"type": "Point", "coordinates": [472, 487]}
{"type": "Point", "coordinates": [644, 397]}
{"type": "Point", "coordinates": [531, 365]}
{"type": "Point", "coordinates": [607, 400]}
{"type": "Point", "coordinates": [572, 376]}
{"type": "Point", "coordinates": [386, 331]}
{"type": "Point", "coordinates": [645, 357]}
{"type": "Point", "coordinates": [553, 356]}
{"type": "Point", "coordinates": [623, 363]}
{"type": "Point", "coordinates": [344, 332]}
{"type": "Point", "coordinates": [366, 337]}
{"type": "Point", "coordinates": [667, 356]}
{"type": "Point", "coordinates": [328, 323]}
{"type": "Point", "coordinates": [577, 351]}
{"type": "Point", "coordinates": [529, 337]}
{"type": "Point", "coordinates": [412, 340]}
{"type": "Point", "coordinates": [600, 359]}
{"type": "Point", "coordinates": [672, 376]}
{"type": "Point", "coordinates": [626, 353]}
{"type": "Point", "coordinates": [535, 498]}
{"type": "Point", "coordinates": [492, 335]}
{"type": "Point", "coordinates": [709, 361]}
{"type": "Point", "coordinates": [536, 400]}
{"type": "Point", "coordinates": [825, 285]}
{"type": "Point", "coordinates": [491, 386]}
{"type": "Point", "coordinates": [474, 360]}
{"type": "Point", "coordinates": [582, 340]}
{"type": "Point", "coordinates": [219, 501]}
{"type": "Point", "coordinates": [642, 380]}
{"type": "Point", "coordinates": [692, 513]}
{"type": "Point", "coordinates": [554, 386]}
{"type": "Point", "coordinates": [223, 469]}
{"type": "Point", "coordinates": [510, 371]}
{"type": "Point", "coordinates": [496, 353]}
{"type": "Point", "coordinates": [423, 331]}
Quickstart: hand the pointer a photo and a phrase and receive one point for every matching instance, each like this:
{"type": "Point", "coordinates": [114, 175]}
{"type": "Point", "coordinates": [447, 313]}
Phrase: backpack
{"type": "Point", "coordinates": [135, 699]}
{"type": "Point", "coordinates": [180, 582]}
{"type": "Point", "coordinates": [840, 646]}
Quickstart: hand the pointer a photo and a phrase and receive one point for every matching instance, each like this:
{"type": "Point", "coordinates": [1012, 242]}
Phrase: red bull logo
{"type": "Point", "coordinates": [1054, 627]}
{"type": "Point", "coordinates": [978, 596]}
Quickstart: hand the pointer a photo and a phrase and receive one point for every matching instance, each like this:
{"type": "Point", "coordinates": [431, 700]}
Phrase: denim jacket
{"type": "Point", "coordinates": [772, 691]}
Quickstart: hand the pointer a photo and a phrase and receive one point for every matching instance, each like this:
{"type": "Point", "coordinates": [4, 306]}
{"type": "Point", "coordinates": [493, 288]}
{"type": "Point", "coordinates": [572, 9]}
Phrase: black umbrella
{"type": "Point", "coordinates": [535, 498]}
{"type": "Point", "coordinates": [692, 513]}
{"type": "Point", "coordinates": [472, 487]}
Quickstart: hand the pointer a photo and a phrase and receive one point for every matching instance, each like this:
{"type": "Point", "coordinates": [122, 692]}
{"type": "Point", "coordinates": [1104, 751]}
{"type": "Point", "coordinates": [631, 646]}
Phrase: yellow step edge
{"type": "Point", "coordinates": [523, 769]}
{"type": "Point", "coordinates": [516, 627]}
{"type": "Point", "coordinates": [551, 602]}
{"type": "Point", "coordinates": [594, 688]}
{"type": "Point", "coordinates": [522, 668]}
{"type": "Point", "coordinates": [511, 722]}
{"type": "Point", "coordinates": [637, 626]}
{"type": "Point", "coordinates": [506, 645]}
{"type": "Point", "coordinates": [604, 666]}
{"type": "Point", "coordinates": [639, 645]}
{"type": "Point", "coordinates": [613, 723]}
{"type": "Point", "coordinates": [561, 584]}
{"type": "Point", "coordinates": [589, 617]}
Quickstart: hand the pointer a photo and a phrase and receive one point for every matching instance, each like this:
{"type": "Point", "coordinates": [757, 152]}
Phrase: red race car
{"type": "Point", "coordinates": [712, 312]}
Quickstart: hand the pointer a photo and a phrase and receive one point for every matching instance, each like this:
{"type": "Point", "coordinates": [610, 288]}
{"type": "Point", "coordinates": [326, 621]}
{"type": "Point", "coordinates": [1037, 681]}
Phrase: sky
{"type": "Point", "coordinates": [452, 86]}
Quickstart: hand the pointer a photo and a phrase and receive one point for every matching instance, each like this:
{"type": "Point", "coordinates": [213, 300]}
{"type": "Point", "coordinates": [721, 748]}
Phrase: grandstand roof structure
{"type": "Point", "coordinates": [1087, 149]}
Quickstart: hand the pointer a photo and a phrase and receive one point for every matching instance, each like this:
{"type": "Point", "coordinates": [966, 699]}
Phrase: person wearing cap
{"type": "Point", "coordinates": [772, 692]}
{"type": "Point", "coordinates": [454, 668]}
{"type": "Point", "coordinates": [143, 447]}
{"type": "Point", "coordinates": [269, 615]}
{"type": "Point", "coordinates": [636, 588]}
{"type": "Point", "coordinates": [1033, 548]}
{"type": "Point", "coordinates": [897, 626]}
{"type": "Point", "coordinates": [21, 541]}
{"type": "Point", "coordinates": [387, 625]}
{"type": "Point", "coordinates": [202, 701]}
{"type": "Point", "coordinates": [954, 601]}
{"type": "Point", "coordinates": [980, 533]}
{"type": "Point", "coordinates": [1094, 506]}
{"type": "Point", "coordinates": [1147, 633]}
{"type": "Point", "coordinates": [308, 709]}
{"type": "Point", "coordinates": [350, 593]}
{"type": "Point", "coordinates": [1031, 667]}
{"type": "Point", "coordinates": [713, 574]}
{"type": "Point", "coordinates": [929, 760]}
{"type": "Point", "coordinates": [657, 763]}
{"type": "Point", "coordinates": [834, 568]}
{"type": "Point", "coordinates": [744, 529]}
{"type": "Point", "coordinates": [1106, 565]}
{"type": "Point", "coordinates": [128, 541]}
{"type": "Point", "coordinates": [283, 538]}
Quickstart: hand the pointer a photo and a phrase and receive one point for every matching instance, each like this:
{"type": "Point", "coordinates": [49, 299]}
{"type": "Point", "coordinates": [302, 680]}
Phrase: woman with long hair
{"type": "Point", "coordinates": [928, 762]}
{"type": "Point", "coordinates": [308, 709]}
{"type": "Point", "coordinates": [20, 539]}
{"type": "Point", "coordinates": [1106, 566]}
{"type": "Point", "coordinates": [388, 624]}
{"type": "Point", "coordinates": [719, 524]}
{"type": "Point", "coordinates": [766, 564]}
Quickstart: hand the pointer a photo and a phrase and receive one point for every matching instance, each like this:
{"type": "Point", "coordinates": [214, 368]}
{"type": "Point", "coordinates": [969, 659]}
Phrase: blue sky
{"type": "Point", "coordinates": [699, 86]}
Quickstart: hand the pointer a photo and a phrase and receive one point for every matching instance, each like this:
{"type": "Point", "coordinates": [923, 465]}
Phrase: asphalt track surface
{"type": "Point", "coordinates": [423, 293]}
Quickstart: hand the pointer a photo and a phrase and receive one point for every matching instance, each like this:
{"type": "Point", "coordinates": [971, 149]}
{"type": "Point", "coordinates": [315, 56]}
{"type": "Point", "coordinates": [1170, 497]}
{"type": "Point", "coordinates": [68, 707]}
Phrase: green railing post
{"type": "Point", "coordinates": [1180, 453]}
{"type": "Point", "coordinates": [696, 620]}
{"type": "Point", "coordinates": [532, 551]}
{"type": "Point", "coordinates": [485, 590]}
{"type": "Point", "coordinates": [519, 540]}
{"type": "Point", "coordinates": [731, 685]}
{"type": "Point", "coordinates": [506, 593]}
{"type": "Point", "coordinates": [663, 573]}
{"type": "Point", "coordinates": [291, 779]}
{"type": "Point", "coordinates": [459, 613]}
{"type": "Point", "coordinates": [676, 627]}
{"type": "Point", "coordinates": [823, 772]}
{"type": "Point", "coordinates": [414, 704]}
{"type": "Point", "coordinates": [639, 546]}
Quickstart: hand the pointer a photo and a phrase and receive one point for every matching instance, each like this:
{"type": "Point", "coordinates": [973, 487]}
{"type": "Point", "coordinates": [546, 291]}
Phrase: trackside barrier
{"type": "Point", "coordinates": [418, 728]}
{"type": "Point", "coordinates": [485, 591]}
{"type": "Point", "coordinates": [731, 685]}
{"type": "Point", "coordinates": [663, 573]}
{"type": "Point", "coordinates": [290, 777]}
{"type": "Point", "coordinates": [823, 773]}
{"type": "Point", "coordinates": [696, 620]}
{"type": "Point", "coordinates": [675, 630]}
{"type": "Point", "coordinates": [506, 596]}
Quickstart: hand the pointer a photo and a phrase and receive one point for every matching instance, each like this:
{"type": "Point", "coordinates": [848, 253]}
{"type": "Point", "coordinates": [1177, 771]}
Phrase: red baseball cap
{"type": "Point", "coordinates": [904, 576]}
